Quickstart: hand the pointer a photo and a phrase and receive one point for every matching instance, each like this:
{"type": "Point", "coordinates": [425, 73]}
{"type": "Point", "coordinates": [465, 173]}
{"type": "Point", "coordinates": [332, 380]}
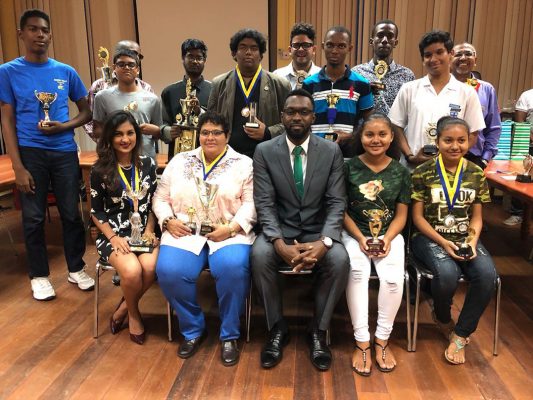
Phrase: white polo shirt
{"type": "Point", "coordinates": [418, 107]}
{"type": "Point", "coordinates": [289, 73]}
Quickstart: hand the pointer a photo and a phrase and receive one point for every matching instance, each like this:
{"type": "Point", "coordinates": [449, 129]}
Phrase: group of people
{"type": "Point", "coordinates": [253, 201]}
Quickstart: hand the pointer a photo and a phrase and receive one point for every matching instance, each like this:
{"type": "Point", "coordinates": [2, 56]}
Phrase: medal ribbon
{"type": "Point", "coordinates": [134, 181]}
{"type": "Point", "coordinates": [248, 92]}
{"type": "Point", "coordinates": [208, 168]}
{"type": "Point", "coordinates": [450, 192]}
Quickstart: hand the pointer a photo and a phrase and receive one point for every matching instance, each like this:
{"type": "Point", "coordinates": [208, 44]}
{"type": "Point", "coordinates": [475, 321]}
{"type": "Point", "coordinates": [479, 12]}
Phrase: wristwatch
{"type": "Point", "coordinates": [328, 242]}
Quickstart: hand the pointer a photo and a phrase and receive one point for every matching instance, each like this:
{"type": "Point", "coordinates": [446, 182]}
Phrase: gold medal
{"type": "Point", "coordinates": [245, 112]}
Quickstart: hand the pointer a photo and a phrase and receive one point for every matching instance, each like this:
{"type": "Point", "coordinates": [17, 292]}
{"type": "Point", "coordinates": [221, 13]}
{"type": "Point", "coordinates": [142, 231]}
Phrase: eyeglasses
{"type": "Point", "coordinates": [459, 54]}
{"type": "Point", "coordinates": [340, 46]}
{"type": "Point", "coordinates": [124, 65]}
{"type": "Point", "coordinates": [305, 112]}
{"type": "Point", "coordinates": [193, 58]}
{"type": "Point", "coordinates": [303, 45]}
{"type": "Point", "coordinates": [214, 132]}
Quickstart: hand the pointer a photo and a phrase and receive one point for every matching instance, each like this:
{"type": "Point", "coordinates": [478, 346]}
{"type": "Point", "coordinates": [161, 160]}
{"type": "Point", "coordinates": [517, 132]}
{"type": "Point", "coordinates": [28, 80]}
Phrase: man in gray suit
{"type": "Point", "coordinates": [233, 92]}
{"type": "Point", "coordinates": [300, 198]}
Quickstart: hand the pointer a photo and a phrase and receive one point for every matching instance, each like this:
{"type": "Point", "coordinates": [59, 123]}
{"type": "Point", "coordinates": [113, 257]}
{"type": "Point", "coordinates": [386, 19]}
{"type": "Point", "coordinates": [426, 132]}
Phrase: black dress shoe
{"type": "Point", "coordinates": [272, 353]}
{"type": "Point", "coordinates": [319, 351]}
{"type": "Point", "coordinates": [189, 347]}
{"type": "Point", "coordinates": [229, 353]}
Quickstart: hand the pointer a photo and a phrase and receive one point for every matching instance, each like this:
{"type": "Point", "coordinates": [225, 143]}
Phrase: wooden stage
{"type": "Point", "coordinates": [47, 350]}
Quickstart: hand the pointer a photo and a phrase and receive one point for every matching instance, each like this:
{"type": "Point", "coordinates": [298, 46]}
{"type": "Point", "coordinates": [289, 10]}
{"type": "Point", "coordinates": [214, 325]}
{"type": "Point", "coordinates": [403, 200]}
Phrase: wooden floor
{"type": "Point", "coordinates": [47, 350]}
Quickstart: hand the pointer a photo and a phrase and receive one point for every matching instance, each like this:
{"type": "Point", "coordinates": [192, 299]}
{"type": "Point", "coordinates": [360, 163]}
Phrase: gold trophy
{"type": "Point", "coordinates": [375, 245]}
{"type": "Point", "coordinates": [380, 69]}
{"type": "Point", "coordinates": [252, 114]}
{"type": "Point", "coordinates": [103, 55]}
{"type": "Point", "coordinates": [431, 149]}
{"type": "Point", "coordinates": [300, 77]}
{"type": "Point", "coordinates": [187, 121]}
{"type": "Point", "coordinates": [528, 165]}
{"type": "Point", "coordinates": [46, 99]}
{"type": "Point", "coordinates": [138, 243]}
{"type": "Point", "coordinates": [332, 100]}
{"type": "Point", "coordinates": [191, 212]}
{"type": "Point", "coordinates": [207, 193]}
{"type": "Point", "coordinates": [465, 250]}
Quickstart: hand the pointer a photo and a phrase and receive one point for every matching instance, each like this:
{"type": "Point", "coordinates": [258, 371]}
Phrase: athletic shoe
{"type": "Point", "coordinates": [42, 289]}
{"type": "Point", "coordinates": [513, 220]}
{"type": "Point", "coordinates": [84, 281]}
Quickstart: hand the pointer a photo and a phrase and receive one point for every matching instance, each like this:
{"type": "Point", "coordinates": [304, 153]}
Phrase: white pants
{"type": "Point", "coordinates": [390, 271]}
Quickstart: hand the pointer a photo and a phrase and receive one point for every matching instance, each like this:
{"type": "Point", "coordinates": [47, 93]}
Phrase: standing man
{"type": "Point", "coordinates": [233, 92]}
{"type": "Point", "coordinates": [383, 41]}
{"type": "Point", "coordinates": [44, 152]}
{"type": "Point", "coordinates": [354, 98]}
{"type": "Point", "coordinates": [194, 56]}
{"type": "Point", "coordinates": [422, 102]}
{"type": "Point", "coordinates": [302, 48]}
{"type": "Point", "coordinates": [300, 198]}
{"type": "Point", "coordinates": [486, 147]}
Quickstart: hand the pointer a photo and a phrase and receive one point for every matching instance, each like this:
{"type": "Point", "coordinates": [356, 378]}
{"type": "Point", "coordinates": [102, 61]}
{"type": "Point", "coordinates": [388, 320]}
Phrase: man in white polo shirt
{"type": "Point", "coordinates": [420, 103]}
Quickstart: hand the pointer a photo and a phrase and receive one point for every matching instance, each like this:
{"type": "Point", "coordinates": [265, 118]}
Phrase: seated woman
{"type": "Point", "coordinates": [205, 205]}
{"type": "Point", "coordinates": [117, 175]}
{"type": "Point", "coordinates": [447, 195]}
{"type": "Point", "coordinates": [378, 189]}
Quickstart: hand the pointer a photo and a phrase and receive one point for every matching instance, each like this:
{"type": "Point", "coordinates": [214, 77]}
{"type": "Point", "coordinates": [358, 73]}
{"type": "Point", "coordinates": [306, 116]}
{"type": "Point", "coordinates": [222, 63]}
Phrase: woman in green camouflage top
{"type": "Point", "coordinates": [447, 195]}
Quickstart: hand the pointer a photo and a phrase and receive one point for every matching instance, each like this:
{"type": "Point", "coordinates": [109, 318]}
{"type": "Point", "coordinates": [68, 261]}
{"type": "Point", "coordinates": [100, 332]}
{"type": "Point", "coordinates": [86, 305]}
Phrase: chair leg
{"type": "Point", "coordinates": [328, 337]}
{"type": "Point", "coordinates": [96, 292]}
{"type": "Point", "coordinates": [169, 321]}
{"type": "Point", "coordinates": [408, 310]}
{"type": "Point", "coordinates": [248, 312]}
{"type": "Point", "coordinates": [497, 316]}
{"type": "Point", "coordinates": [415, 319]}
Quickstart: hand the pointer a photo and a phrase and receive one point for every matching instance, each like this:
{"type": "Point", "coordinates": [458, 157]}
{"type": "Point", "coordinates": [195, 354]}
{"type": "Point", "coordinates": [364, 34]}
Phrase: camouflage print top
{"type": "Point", "coordinates": [427, 188]}
{"type": "Point", "coordinates": [368, 191]}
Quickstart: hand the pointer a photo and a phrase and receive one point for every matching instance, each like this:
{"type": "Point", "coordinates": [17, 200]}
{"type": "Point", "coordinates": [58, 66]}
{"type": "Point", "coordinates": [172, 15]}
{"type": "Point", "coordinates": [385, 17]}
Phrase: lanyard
{"type": "Point", "coordinates": [248, 92]}
{"type": "Point", "coordinates": [207, 169]}
{"type": "Point", "coordinates": [450, 192]}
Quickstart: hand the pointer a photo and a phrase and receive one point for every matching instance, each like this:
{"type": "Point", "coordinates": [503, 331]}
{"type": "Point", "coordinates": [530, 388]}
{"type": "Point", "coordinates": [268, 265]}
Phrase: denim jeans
{"type": "Point", "coordinates": [480, 273]}
{"type": "Point", "coordinates": [61, 169]}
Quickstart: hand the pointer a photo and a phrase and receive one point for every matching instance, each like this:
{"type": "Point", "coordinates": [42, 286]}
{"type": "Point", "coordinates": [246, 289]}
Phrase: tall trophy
{"type": "Point", "coordinates": [465, 249]}
{"type": "Point", "coordinates": [431, 149]}
{"type": "Point", "coordinates": [207, 193]}
{"type": "Point", "coordinates": [103, 55]}
{"type": "Point", "coordinates": [187, 121]}
{"type": "Point", "coordinates": [137, 242]}
{"type": "Point", "coordinates": [46, 99]}
{"type": "Point", "coordinates": [332, 100]}
{"type": "Point", "coordinates": [300, 77]}
{"type": "Point", "coordinates": [375, 245]}
{"type": "Point", "coordinates": [252, 114]}
{"type": "Point", "coordinates": [525, 177]}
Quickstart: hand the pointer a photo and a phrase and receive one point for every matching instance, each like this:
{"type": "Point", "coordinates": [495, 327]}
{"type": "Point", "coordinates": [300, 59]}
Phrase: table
{"type": "Point", "coordinates": [7, 175]}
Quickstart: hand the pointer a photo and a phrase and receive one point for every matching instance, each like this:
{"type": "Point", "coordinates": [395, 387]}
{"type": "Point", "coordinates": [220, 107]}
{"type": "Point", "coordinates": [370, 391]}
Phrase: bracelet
{"type": "Point", "coordinates": [165, 222]}
{"type": "Point", "coordinates": [112, 237]}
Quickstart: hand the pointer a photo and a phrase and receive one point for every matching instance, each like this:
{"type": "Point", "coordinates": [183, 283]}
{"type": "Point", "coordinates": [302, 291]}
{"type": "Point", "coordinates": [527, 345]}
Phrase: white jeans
{"type": "Point", "coordinates": [390, 271]}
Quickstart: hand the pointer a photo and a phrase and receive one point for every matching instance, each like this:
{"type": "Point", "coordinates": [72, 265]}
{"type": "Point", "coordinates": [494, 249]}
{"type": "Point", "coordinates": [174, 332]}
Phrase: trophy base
{"type": "Point", "coordinates": [192, 226]}
{"type": "Point", "coordinates": [331, 136]}
{"type": "Point", "coordinates": [44, 123]}
{"type": "Point", "coordinates": [430, 150]}
{"type": "Point", "coordinates": [206, 228]}
{"type": "Point", "coordinates": [465, 251]}
{"type": "Point", "coordinates": [251, 125]}
{"type": "Point", "coordinates": [523, 178]}
{"type": "Point", "coordinates": [375, 246]}
{"type": "Point", "coordinates": [141, 248]}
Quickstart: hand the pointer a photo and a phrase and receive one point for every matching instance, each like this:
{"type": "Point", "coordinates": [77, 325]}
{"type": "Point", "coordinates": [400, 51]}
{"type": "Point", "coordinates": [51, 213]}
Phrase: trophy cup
{"type": "Point", "coordinates": [431, 149]}
{"type": "Point", "coordinates": [332, 100]}
{"type": "Point", "coordinates": [103, 55]}
{"type": "Point", "coordinates": [187, 121]}
{"type": "Point", "coordinates": [252, 113]}
{"type": "Point", "coordinates": [300, 77]}
{"type": "Point", "coordinates": [46, 99]}
{"type": "Point", "coordinates": [528, 165]}
{"type": "Point", "coordinates": [207, 193]}
{"type": "Point", "coordinates": [375, 245]}
{"type": "Point", "coordinates": [138, 243]}
{"type": "Point", "coordinates": [380, 69]}
{"type": "Point", "coordinates": [465, 250]}
{"type": "Point", "coordinates": [191, 212]}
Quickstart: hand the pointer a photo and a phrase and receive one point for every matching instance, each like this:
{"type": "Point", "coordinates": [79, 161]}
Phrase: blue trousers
{"type": "Point", "coordinates": [177, 273]}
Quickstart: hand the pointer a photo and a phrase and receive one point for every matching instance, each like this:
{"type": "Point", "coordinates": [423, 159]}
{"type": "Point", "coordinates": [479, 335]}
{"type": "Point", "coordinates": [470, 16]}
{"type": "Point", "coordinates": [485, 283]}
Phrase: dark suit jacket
{"type": "Point", "coordinates": [281, 213]}
{"type": "Point", "coordinates": [274, 90]}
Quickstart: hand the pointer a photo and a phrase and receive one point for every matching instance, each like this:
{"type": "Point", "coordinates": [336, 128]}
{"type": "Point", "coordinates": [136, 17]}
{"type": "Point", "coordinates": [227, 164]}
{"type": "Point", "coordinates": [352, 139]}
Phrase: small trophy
{"type": "Point", "coordinates": [332, 100]}
{"type": "Point", "coordinates": [191, 212]}
{"type": "Point", "coordinates": [431, 149]}
{"type": "Point", "coordinates": [187, 121]}
{"type": "Point", "coordinates": [465, 250]}
{"type": "Point", "coordinates": [138, 243]}
{"type": "Point", "coordinates": [103, 55]}
{"type": "Point", "coordinates": [526, 176]}
{"type": "Point", "coordinates": [252, 114]}
{"type": "Point", "coordinates": [300, 77]}
{"type": "Point", "coordinates": [380, 69]}
{"type": "Point", "coordinates": [375, 245]}
{"type": "Point", "coordinates": [46, 99]}
{"type": "Point", "coordinates": [207, 193]}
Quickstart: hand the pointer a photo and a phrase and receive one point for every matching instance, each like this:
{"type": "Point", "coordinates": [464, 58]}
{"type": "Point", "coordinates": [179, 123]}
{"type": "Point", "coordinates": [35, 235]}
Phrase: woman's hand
{"type": "Point", "coordinates": [221, 232]}
{"type": "Point", "coordinates": [120, 245]}
{"type": "Point", "coordinates": [386, 248]}
{"type": "Point", "coordinates": [363, 246]}
{"type": "Point", "coordinates": [177, 228]}
{"type": "Point", "coordinates": [151, 238]}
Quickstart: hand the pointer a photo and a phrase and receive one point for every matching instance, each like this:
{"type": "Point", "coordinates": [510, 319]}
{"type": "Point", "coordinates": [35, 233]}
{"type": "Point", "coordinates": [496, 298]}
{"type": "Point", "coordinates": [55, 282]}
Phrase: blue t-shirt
{"type": "Point", "coordinates": [19, 79]}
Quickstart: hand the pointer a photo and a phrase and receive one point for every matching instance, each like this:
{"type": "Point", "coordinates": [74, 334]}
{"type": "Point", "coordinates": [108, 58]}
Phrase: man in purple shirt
{"type": "Point", "coordinates": [464, 61]}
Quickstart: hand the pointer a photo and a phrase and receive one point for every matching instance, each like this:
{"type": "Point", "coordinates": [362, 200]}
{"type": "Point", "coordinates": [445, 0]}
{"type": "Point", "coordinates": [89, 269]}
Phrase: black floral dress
{"type": "Point", "coordinates": [113, 205]}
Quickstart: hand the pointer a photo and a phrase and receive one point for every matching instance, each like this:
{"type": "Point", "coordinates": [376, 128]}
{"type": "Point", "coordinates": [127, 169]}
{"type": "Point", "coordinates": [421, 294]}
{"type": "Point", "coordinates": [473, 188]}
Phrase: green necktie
{"type": "Point", "coordinates": [298, 170]}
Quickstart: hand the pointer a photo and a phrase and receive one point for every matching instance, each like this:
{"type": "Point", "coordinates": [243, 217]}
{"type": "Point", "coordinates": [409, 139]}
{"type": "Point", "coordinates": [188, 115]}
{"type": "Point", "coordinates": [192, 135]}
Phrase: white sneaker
{"type": "Point", "coordinates": [42, 289]}
{"type": "Point", "coordinates": [84, 281]}
{"type": "Point", "coordinates": [513, 220]}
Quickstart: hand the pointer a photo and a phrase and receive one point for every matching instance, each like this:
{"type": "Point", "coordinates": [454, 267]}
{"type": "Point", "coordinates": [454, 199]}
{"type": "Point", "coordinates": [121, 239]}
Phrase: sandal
{"type": "Point", "coordinates": [460, 343]}
{"type": "Point", "coordinates": [383, 357]}
{"type": "Point", "coordinates": [363, 351]}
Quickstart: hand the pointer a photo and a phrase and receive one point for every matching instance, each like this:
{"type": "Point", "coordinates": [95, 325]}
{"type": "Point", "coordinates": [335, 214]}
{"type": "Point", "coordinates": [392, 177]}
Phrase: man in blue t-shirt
{"type": "Point", "coordinates": [44, 152]}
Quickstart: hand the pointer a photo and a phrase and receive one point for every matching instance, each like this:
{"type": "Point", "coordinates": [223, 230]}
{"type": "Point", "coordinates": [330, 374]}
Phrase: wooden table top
{"type": "Point", "coordinates": [501, 174]}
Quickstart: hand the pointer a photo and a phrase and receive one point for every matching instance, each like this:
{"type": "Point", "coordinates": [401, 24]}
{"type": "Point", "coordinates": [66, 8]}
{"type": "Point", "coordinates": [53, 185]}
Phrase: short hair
{"type": "Point", "coordinates": [215, 118]}
{"type": "Point", "coordinates": [34, 12]}
{"type": "Point", "coordinates": [445, 122]}
{"type": "Point", "coordinates": [466, 44]}
{"type": "Point", "coordinates": [385, 22]}
{"type": "Point", "coordinates": [251, 34]}
{"type": "Point", "coordinates": [302, 93]}
{"type": "Point", "coordinates": [193, 44]}
{"type": "Point", "coordinates": [123, 52]}
{"type": "Point", "coordinates": [339, 29]}
{"type": "Point", "coordinates": [394, 149]}
{"type": "Point", "coordinates": [302, 28]}
{"type": "Point", "coordinates": [435, 37]}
